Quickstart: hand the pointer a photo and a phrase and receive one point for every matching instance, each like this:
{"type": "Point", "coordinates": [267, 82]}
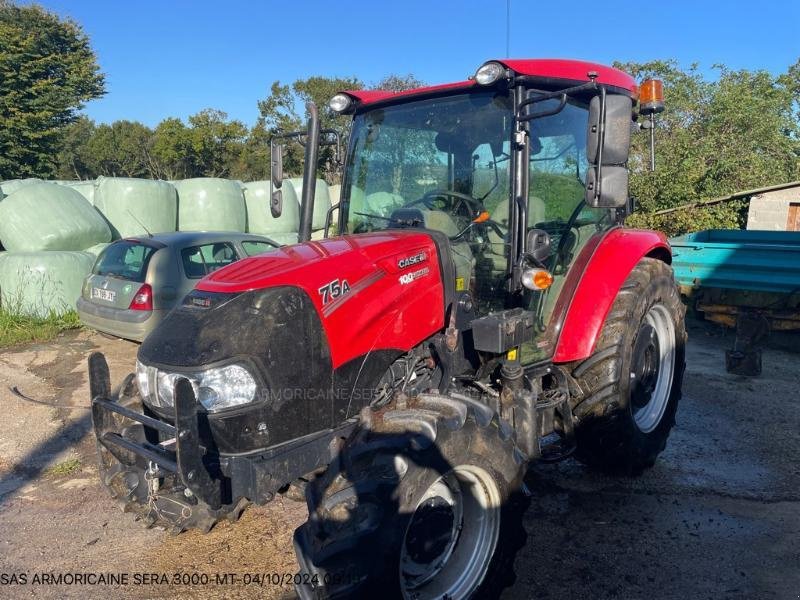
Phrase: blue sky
{"type": "Point", "coordinates": [173, 58]}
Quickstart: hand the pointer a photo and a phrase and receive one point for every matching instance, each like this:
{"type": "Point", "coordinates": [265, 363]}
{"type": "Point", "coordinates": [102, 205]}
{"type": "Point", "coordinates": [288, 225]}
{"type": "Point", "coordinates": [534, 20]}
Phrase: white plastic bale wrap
{"type": "Point", "coordinates": [12, 185]}
{"type": "Point", "coordinates": [85, 188]}
{"type": "Point", "coordinates": [210, 204]}
{"type": "Point", "coordinates": [334, 191]}
{"type": "Point", "coordinates": [285, 239]}
{"type": "Point", "coordinates": [259, 214]}
{"type": "Point", "coordinates": [41, 284]}
{"type": "Point", "coordinates": [322, 200]}
{"type": "Point", "coordinates": [46, 216]}
{"type": "Point", "coordinates": [135, 206]}
{"type": "Point", "coordinates": [96, 249]}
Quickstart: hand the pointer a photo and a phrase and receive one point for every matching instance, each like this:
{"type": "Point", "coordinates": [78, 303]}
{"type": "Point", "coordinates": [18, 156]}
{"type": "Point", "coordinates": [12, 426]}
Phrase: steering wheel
{"type": "Point", "coordinates": [473, 205]}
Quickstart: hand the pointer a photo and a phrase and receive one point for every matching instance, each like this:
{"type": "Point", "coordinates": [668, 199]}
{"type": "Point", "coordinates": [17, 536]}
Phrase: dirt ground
{"type": "Point", "coordinates": [718, 517]}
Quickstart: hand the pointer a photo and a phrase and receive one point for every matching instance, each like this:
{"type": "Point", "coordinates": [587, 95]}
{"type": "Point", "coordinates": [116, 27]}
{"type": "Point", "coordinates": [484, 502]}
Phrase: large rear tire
{"type": "Point", "coordinates": [423, 503]}
{"type": "Point", "coordinates": [632, 383]}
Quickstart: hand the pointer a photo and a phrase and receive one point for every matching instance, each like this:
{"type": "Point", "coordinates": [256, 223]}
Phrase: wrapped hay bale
{"type": "Point", "coordinates": [136, 206]}
{"type": "Point", "coordinates": [46, 216]}
{"type": "Point", "coordinates": [284, 239]}
{"type": "Point", "coordinates": [96, 249]}
{"type": "Point", "coordinates": [259, 215]}
{"type": "Point", "coordinates": [85, 188]}
{"type": "Point", "coordinates": [12, 185]}
{"type": "Point", "coordinates": [41, 284]}
{"type": "Point", "coordinates": [334, 191]}
{"type": "Point", "coordinates": [210, 204]}
{"type": "Point", "coordinates": [322, 200]}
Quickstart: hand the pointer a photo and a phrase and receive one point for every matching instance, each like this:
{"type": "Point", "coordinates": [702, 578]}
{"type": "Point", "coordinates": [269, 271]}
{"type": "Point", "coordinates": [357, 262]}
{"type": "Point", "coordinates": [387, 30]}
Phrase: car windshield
{"type": "Point", "coordinates": [442, 160]}
{"type": "Point", "coordinates": [125, 259]}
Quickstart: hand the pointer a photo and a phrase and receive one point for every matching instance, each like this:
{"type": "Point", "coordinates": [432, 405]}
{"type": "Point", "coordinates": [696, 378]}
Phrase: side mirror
{"type": "Point", "coordinates": [608, 141]}
{"type": "Point", "coordinates": [276, 165]}
{"type": "Point", "coordinates": [276, 179]}
{"type": "Point", "coordinates": [607, 187]}
{"type": "Point", "coordinates": [614, 134]}
{"type": "Point", "coordinates": [537, 244]}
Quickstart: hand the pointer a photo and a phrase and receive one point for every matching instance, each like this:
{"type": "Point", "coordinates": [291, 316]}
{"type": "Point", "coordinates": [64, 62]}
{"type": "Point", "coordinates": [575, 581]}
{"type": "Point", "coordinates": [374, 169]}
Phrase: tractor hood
{"type": "Point", "coordinates": [376, 291]}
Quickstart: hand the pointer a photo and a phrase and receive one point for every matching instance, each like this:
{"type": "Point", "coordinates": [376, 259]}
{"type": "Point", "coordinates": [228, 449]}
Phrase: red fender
{"type": "Point", "coordinates": [614, 258]}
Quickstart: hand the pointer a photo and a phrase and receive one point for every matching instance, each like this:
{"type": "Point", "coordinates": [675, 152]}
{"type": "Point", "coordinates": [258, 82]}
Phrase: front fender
{"type": "Point", "coordinates": [609, 266]}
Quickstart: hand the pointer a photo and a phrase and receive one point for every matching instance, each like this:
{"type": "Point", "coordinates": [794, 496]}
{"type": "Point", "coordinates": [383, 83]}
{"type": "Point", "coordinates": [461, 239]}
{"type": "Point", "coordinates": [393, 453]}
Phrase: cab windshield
{"type": "Point", "coordinates": [441, 160]}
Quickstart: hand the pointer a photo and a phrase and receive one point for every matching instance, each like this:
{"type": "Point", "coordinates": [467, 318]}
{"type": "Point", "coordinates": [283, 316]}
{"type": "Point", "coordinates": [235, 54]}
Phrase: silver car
{"type": "Point", "coordinates": [136, 281]}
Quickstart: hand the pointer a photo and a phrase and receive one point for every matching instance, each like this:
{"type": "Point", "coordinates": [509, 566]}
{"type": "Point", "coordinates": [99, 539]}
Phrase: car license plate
{"type": "Point", "coordinates": [107, 295]}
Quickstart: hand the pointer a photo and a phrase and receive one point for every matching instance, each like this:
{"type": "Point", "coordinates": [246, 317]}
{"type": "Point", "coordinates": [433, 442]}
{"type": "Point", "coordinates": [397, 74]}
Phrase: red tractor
{"type": "Point", "coordinates": [482, 307]}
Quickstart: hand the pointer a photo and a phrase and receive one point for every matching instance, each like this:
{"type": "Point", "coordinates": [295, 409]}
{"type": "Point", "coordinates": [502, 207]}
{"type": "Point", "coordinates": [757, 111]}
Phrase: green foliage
{"type": "Point", "coordinates": [64, 468]}
{"type": "Point", "coordinates": [284, 110]}
{"type": "Point", "coordinates": [121, 149]}
{"type": "Point", "coordinates": [716, 137]}
{"type": "Point", "coordinates": [398, 83]}
{"type": "Point", "coordinates": [47, 71]}
{"type": "Point", "coordinates": [18, 329]}
{"type": "Point", "coordinates": [210, 145]}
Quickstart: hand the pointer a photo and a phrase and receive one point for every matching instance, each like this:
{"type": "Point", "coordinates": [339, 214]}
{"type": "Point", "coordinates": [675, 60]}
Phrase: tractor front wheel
{"type": "Point", "coordinates": [423, 504]}
{"type": "Point", "coordinates": [632, 383]}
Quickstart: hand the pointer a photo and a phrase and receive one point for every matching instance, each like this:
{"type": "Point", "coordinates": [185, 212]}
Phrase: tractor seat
{"type": "Point", "coordinates": [499, 246]}
{"type": "Point", "coordinates": [428, 219]}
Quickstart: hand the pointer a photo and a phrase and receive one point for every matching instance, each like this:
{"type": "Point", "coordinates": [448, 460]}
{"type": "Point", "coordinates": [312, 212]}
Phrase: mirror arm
{"type": "Point", "coordinates": [329, 217]}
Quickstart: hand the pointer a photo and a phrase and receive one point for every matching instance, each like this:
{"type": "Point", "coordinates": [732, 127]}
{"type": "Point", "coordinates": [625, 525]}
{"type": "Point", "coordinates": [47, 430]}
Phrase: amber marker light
{"type": "Point", "coordinates": [537, 279]}
{"type": "Point", "coordinates": [481, 218]}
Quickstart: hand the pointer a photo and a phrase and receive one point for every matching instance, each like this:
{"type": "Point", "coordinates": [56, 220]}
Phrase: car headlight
{"type": "Point", "coordinates": [216, 389]}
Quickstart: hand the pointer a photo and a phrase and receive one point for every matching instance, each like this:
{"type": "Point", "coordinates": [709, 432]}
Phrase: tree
{"type": "Point", "coordinates": [284, 110]}
{"type": "Point", "coordinates": [122, 149]}
{"type": "Point", "coordinates": [216, 143]}
{"type": "Point", "coordinates": [716, 137]}
{"type": "Point", "coordinates": [172, 150]}
{"type": "Point", "coordinates": [73, 159]}
{"type": "Point", "coordinates": [47, 72]}
{"type": "Point", "coordinates": [253, 161]}
{"type": "Point", "coordinates": [399, 83]}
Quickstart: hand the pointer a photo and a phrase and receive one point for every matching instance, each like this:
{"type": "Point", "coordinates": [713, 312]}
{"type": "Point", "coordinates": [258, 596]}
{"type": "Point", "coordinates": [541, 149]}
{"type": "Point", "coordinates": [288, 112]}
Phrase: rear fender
{"type": "Point", "coordinates": [609, 266]}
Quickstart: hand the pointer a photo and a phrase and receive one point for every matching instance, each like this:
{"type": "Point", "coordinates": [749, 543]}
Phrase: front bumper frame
{"type": "Point", "coordinates": [215, 479]}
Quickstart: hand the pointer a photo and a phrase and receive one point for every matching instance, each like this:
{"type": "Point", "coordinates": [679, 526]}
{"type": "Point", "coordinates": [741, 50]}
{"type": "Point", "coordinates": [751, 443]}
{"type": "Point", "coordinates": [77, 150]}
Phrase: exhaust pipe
{"type": "Point", "coordinates": [309, 174]}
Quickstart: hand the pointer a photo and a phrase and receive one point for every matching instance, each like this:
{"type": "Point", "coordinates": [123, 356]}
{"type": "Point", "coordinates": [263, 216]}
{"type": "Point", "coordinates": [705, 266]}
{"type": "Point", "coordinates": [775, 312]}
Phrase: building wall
{"type": "Point", "coordinates": [770, 210]}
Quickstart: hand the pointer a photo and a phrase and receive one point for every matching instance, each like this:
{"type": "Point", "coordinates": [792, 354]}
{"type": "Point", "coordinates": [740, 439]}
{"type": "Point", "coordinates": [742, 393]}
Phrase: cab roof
{"type": "Point", "coordinates": [549, 70]}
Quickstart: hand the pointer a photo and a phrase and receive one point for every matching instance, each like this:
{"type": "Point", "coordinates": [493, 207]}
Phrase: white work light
{"type": "Point", "coordinates": [490, 72]}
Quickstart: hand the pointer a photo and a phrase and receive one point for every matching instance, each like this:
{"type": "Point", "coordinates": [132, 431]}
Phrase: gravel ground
{"type": "Point", "coordinates": [716, 518]}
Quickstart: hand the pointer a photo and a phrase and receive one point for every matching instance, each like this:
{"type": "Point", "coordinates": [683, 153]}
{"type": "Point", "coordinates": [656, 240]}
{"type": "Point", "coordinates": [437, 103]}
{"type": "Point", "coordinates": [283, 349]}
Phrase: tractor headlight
{"type": "Point", "coordinates": [216, 389]}
{"type": "Point", "coordinates": [145, 381]}
{"type": "Point", "coordinates": [340, 103]}
{"type": "Point", "coordinates": [489, 73]}
{"type": "Point", "coordinates": [225, 387]}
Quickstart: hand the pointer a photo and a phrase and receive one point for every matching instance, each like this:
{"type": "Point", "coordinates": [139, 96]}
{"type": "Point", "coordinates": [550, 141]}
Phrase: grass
{"type": "Point", "coordinates": [62, 469]}
{"type": "Point", "coordinates": [19, 329]}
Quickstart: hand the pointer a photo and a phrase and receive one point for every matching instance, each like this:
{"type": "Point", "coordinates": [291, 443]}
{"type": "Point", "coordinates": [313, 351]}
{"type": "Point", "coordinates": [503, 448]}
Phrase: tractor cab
{"type": "Point", "coordinates": [520, 167]}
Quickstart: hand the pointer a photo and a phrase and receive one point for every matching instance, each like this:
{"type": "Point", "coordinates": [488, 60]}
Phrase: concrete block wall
{"type": "Point", "coordinates": [770, 210]}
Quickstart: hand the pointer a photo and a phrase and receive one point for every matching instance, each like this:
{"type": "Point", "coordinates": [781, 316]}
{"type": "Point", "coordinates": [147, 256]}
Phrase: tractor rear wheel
{"type": "Point", "coordinates": [422, 503]}
{"type": "Point", "coordinates": [632, 383]}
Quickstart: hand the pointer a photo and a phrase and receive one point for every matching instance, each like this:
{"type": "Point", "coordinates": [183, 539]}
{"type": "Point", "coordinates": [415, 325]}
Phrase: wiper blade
{"type": "Point", "coordinates": [371, 216]}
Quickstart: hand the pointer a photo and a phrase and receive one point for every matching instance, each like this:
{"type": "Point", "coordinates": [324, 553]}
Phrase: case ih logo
{"type": "Point", "coordinates": [413, 276]}
{"type": "Point", "coordinates": [409, 261]}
